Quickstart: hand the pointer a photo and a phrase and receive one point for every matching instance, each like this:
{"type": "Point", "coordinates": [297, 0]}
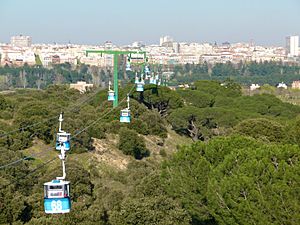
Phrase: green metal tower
{"type": "Point", "coordinates": [116, 54]}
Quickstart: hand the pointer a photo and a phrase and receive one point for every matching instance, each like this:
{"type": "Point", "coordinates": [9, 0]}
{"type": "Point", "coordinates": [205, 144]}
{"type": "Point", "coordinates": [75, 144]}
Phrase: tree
{"type": "Point", "coordinates": [23, 79]}
{"type": "Point", "coordinates": [263, 129]}
{"type": "Point", "coordinates": [236, 180]}
{"type": "Point", "coordinates": [150, 210]}
{"type": "Point", "coordinates": [154, 123]}
{"type": "Point", "coordinates": [197, 98]}
{"type": "Point", "coordinates": [185, 177]}
{"type": "Point", "coordinates": [132, 144]}
{"type": "Point", "coordinates": [224, 69]}
{"type": "Point", "coordinates": [203, 123]}
{"type": "Point", "coordinates": [161, 99]}
{"type": "Point", "coordinates": [256, 185]}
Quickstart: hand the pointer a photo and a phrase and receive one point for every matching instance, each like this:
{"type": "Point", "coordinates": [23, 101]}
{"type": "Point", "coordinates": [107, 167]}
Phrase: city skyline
{"type": "Point", "coordinates": [92, 22]}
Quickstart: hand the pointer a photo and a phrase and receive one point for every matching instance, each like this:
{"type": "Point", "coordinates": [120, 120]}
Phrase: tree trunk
{"type": "Point", "coordinates": [192, 129]}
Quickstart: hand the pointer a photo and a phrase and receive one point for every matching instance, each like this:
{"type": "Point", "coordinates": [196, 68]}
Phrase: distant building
{"type": "Point", "coordinates": [254, 87]}
{"type": "Point", "coordinates": [175, 47]}
{"type": "Point", "coordinates": [282, 85]}
{"type": "Point", "coordinates": [296, 84]}
{"type": "Point", "coordinates": [108, 45]}
{"type": "Point", "coordinates": [20, 41]}
{"type": "Point", "coordinates": [137, 44]}
{"type": "Point", "coordinates": [292, 46]}
{"type": "Point", "coordinates": [55, 59]}
{"type": "Point", "coordinates": [81, 86]}
{"type": "Point", "coordinates": [183, 86]}
{"type": "Point", "coordinates": [165, 39]}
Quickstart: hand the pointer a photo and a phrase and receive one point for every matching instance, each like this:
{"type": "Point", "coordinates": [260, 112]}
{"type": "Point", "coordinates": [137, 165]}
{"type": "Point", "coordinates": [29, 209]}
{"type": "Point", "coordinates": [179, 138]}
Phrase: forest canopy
{"type": "Point", "coordinates": [241, 168]}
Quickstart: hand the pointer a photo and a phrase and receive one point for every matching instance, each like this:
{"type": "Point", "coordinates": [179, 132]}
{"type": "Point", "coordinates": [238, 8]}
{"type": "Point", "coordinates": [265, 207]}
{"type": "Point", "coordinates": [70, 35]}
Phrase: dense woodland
{"type": "Point", "coordinates": [241, 168]}
{"type": "Point", "coordinates": [244, 73]}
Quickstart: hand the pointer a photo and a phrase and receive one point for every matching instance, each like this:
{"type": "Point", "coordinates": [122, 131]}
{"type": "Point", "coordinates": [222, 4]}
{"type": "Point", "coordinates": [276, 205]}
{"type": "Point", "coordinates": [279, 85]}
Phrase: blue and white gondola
{"type": "Point", "coordinates": [111, 95]}
{"type": "Point", "coordinates": [63, 138]}
{"type": "Point", "coordinates": [140, 87]}
{"type": "Point", "coordinates": [128, 66]}
{"type": "Point", "coordinates": [125, 116]}
{"type": "Point", "coordinates": [152, 80]}
{"type": "Point", "coordinates": [57, 197]}
{"type": "Point", "coordinates": [147, 70]}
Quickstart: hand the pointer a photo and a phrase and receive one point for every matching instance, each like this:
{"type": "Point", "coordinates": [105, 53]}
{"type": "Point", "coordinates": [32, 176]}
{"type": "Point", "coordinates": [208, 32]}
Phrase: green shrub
{"type": "Point", "coordinates": [132, 144]}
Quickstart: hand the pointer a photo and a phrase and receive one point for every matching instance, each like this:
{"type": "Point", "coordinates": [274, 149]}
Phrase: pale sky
{"type": "Point", "coordinates": [267, 22]}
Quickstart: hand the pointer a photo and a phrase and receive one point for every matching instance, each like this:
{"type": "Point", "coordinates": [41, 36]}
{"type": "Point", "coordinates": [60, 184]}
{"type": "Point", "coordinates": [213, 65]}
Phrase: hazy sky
{"type": "Point", "coordinates": [267, 22]}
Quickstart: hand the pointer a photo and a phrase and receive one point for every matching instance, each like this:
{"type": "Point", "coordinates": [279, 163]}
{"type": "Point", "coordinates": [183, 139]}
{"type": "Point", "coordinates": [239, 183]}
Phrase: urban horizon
{"type": "Point", "coordinates": [143, 42]}
{"type": "Point", "coordinates": [167, 52]}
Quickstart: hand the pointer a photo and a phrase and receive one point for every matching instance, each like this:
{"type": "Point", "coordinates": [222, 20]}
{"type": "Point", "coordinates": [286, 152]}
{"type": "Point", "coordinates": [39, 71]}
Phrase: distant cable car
{"type": "Point", "coordinates": [125, 113]}
{"type": "Point", "coordinates": [140, 85]}
{"type": "Point", "coordinates": [136, 80]}
{"type": "Point", "coordinates": [125, 116]}
{"type": "Point", "coordinates": [152, 80]}
{"type": "Point", "coordinates": [63, 138]}
{"type": "Point", "coordinates": [147, 70]}
{"type": "Point", "coordinates": [57, 197]}
{"type": "Point", "coordinates": [128, 67]}
{"type": "Point", "coordinates": [111, 95]}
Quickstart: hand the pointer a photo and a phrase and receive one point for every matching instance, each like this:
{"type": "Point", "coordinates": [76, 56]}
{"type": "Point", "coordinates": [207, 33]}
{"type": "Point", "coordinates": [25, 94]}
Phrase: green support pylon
{"type": "Point", "coordinates": [116, 54]}
{"type": "Point", "coordinates": [115, 103]}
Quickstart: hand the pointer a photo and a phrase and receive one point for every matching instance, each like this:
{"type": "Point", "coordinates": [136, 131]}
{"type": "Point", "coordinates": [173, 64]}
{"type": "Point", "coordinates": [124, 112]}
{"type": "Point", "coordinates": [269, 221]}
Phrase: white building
{"type": "Point", "coordinates": [282, 85]}
{"type": "Point", "coordinates": [20, 41]}
{"type": "Point", "coordinates": [296, 84]}
{"type": "Point", "coordinates": [254, 87]}
{"type": "Point", "coordinates": [165, 39]}
{"type": "Point", "coordinates": [292, 45]}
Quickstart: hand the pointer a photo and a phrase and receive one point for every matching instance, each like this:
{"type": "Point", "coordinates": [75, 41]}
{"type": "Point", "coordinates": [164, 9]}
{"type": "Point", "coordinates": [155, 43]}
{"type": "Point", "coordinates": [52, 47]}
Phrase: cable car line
{"type": "Point", "coordinates": [26, 158]}
{"type": "Point", "coordinates": [50, 148]}
{"type": "Point", "coordinates": [105, 114]}
{"type": "Point", "coordinates": [57, 192]}
{"type": "Point", "coordinates": [15, 162]}
{"type": "Point", "coordinates": [29, 173]}
{"type": "Point", "coordinates": [48, 119]}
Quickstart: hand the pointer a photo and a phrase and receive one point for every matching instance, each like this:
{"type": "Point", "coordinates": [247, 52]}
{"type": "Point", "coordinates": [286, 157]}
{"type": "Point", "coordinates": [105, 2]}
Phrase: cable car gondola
{"type": "Point", "coordinates": [159, 82]}
{"type": "Point", "coordinates": [152, 80]}
{"type": "Point", "coordinates": [111, 95]}
{"type": "Point", "coordinates": [125, 113]}
{"type": "Point", "coordinates": [63, 138]}
{"type": "Point", "coordinates": [57, 197]}
{"type": "Point", "coordinates": [140, 85]}
{"type": "Point", "coordinates": [128, 66]}
{"type": "Point", "coordinates": [125, 116]}
{"type": "Point", "coordinates": [147, 70]}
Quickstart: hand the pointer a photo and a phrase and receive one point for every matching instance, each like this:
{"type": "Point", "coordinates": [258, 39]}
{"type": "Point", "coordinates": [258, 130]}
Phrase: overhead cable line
{"type": "Point", "coordinates": [29, 173]}
{"type": "Point", "coordinates": [76, 134]}
{"type": "Point", "coordinates": [48, 119]}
